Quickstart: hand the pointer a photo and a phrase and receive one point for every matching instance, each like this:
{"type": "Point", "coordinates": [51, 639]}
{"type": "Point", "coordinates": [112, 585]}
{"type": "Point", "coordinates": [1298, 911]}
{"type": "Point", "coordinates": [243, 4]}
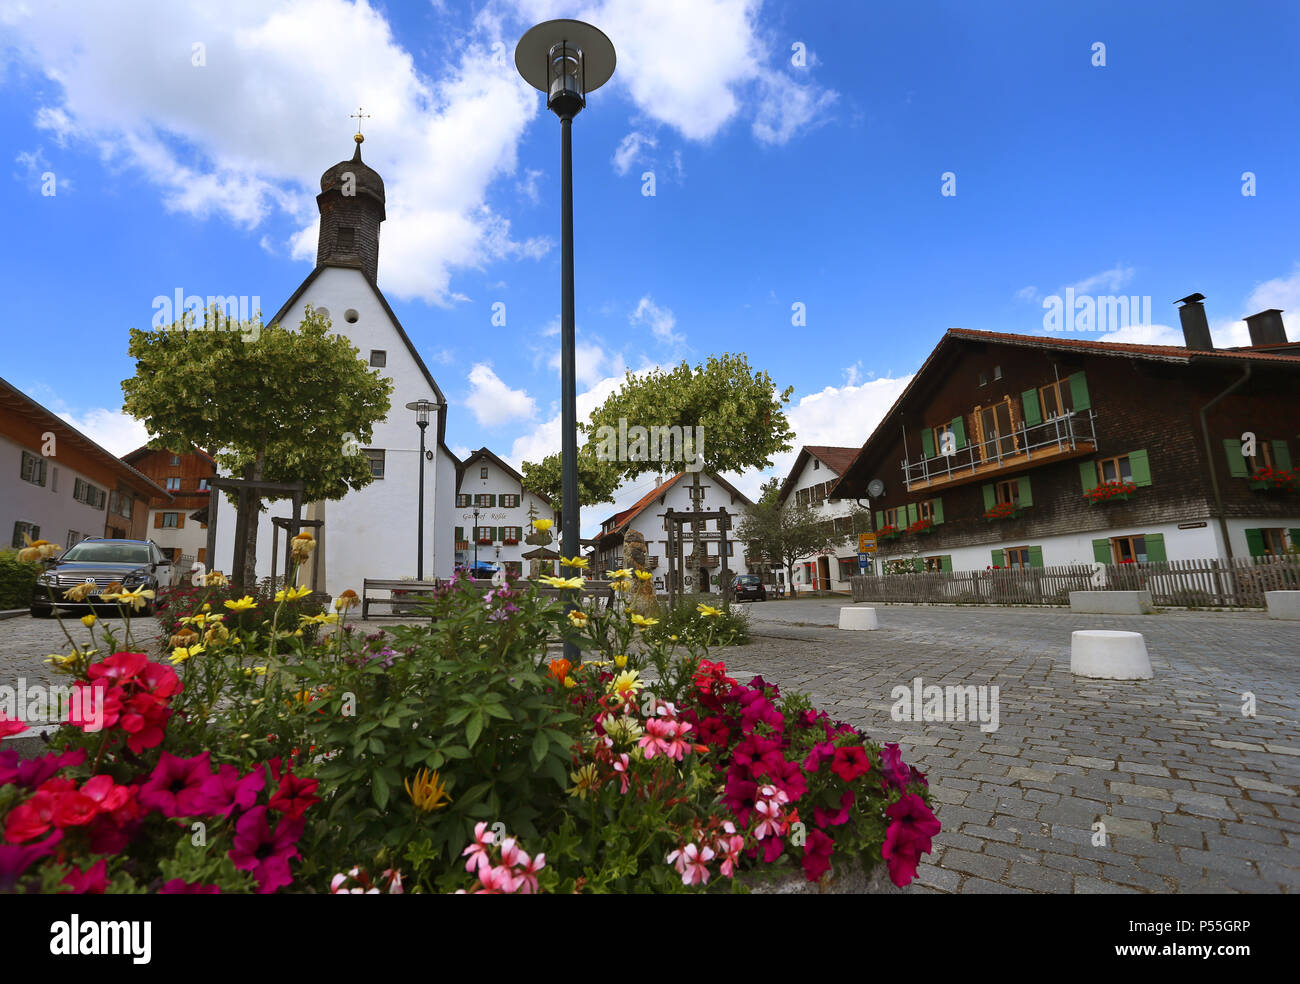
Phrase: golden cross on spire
{"type": "Point", "coordinates": [359, 115]}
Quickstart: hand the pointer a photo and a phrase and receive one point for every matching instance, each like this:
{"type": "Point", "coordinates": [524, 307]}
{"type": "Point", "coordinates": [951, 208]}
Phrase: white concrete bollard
{"type": "Point", "coordinates": [1283, 604]}
{"type": "Point", "coordinates": [852, 617]}
{"type": "Point", "coordinates": [1107, 654]}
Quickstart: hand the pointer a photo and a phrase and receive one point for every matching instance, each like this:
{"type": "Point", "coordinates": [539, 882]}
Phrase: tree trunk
{"type": "Point", "coordinates": [253, 504]}
{"type": "Point", "coordinates": [702, 572]}
{"type": "Point", "coordinates": [789, 569]}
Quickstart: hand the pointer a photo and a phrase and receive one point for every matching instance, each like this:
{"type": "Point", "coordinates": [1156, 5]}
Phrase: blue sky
{"type": "Point", "coordinates": [776, 184]}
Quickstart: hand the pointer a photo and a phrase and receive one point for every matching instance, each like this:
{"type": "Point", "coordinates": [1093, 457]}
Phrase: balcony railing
{"type": "Point", "coordinates": [1068, 436]}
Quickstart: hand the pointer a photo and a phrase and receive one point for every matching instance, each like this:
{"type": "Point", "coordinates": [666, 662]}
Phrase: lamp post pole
{"type": "Point", "coordinates": [566, 59]}
{"type": "Point", "coordinates": [474, 572]}
{"type": "Point", "coordinates": [422, 408]}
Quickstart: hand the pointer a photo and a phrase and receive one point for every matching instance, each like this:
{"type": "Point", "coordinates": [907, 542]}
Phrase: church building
{"type": "Point", "coordinates": [370, 532]}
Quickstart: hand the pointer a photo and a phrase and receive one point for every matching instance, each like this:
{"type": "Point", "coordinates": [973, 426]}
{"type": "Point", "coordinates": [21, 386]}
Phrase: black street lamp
{"type": "Point", "coordinates": [422, 408]}
{"type": "Point", "coordinates": [566, 59]}
{"type": "Point", "coordinates": [474, 570]}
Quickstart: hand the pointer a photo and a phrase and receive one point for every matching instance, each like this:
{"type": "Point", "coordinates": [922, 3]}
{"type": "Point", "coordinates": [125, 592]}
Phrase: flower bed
{"type": "Point", "coordinates": [449, 757]}
{"type": "Point", "coordinates": [1109, 492]}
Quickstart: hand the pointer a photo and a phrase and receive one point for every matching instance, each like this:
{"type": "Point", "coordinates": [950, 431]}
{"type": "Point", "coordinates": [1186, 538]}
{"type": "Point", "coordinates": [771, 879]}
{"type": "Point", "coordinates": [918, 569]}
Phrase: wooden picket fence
{"type": "Point", "coordinates": [1180, 583]}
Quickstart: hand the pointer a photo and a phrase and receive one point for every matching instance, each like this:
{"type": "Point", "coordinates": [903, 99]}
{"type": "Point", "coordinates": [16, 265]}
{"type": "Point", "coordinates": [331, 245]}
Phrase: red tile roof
{"type": "Point", "coordinates": [836, 459]}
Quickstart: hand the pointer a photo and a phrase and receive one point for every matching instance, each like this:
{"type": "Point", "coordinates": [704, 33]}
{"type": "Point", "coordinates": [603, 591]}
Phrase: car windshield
{"type": "Point", "coordinates": [109, 553]}
{"type": "Point", "coordinates": [747, 579]}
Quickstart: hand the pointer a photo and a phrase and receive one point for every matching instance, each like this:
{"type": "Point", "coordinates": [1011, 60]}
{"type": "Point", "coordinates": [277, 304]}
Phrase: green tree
{"type": "Point", "coordinates": [273, 404]}
{"type": "Point", "coordinates": [783, 533]}
{"type": "Point", "coordinates": [597, 480]}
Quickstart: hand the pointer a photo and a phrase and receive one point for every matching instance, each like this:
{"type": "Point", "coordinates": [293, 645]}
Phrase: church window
{"type": "Point", "coordinates": [376, 456]}
{"type": "Point", "coordinates": [378, 357]}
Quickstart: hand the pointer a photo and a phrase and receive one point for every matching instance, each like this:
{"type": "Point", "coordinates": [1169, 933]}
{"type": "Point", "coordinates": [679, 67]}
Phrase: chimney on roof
{"type": "Point", "coordinates": [1196, 329]}
{"type": "Point", "coordinates": [1266, 328]}
{"type": "Point", "coordinates": [659, 480]}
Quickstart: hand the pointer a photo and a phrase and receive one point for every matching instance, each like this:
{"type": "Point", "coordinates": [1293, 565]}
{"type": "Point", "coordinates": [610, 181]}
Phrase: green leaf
{"type": "Point", "coordinates": [540, 744]}
{"type": "Point", "coordinates": [474, 729]}
{"type": "Point", "coordinates": [379, 789]}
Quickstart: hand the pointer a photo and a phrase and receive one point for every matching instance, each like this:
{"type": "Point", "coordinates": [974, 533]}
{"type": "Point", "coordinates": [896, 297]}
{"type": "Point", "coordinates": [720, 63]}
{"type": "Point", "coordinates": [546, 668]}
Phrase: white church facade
{"type": "Point", "coordinates": [370, 532]}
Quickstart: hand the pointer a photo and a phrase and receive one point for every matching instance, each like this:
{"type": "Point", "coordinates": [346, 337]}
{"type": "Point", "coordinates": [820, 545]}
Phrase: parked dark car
{"type": "Point", "coordinates": [132, 563]}
{"type": "Point", "coordinates": [748, 586]}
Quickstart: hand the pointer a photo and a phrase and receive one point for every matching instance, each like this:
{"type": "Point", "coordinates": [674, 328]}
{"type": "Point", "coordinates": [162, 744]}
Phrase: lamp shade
{"type": "Point", "coordinates": [565, 58]}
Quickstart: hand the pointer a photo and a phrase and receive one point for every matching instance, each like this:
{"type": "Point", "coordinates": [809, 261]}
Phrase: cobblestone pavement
{"type": "Point", "coordinates": [1195, 795]}
{"type": "Point", "coordinates": [26, 641]}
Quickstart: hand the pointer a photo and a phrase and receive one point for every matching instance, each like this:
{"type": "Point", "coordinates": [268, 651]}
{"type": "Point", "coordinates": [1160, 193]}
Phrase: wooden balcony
{"type": "Point", "coordinates": [1072, 436]}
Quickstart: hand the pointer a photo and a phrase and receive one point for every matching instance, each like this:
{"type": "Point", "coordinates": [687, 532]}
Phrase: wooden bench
{"type": "Point", "coordinates": [369, 586]}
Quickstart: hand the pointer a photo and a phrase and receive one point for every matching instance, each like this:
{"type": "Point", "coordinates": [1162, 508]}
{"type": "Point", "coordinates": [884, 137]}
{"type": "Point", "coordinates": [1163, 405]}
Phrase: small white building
{"type": "Point", "coordinates": [814, 472]}
{"type": "Point", "coordinates": [494, 513]}
{"type": "Point", "coordinates": [646, 516]}
{"type": "Point", "coordinates": [370, 532]}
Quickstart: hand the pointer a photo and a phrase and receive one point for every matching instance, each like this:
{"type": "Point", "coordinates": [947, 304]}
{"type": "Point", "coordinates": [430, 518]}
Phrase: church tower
{"type": "Point", "coordinates": [351, 203]}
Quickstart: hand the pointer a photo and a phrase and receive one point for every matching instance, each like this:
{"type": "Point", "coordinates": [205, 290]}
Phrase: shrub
{"type": "Point", "coordinates": [17, 580]}
{"type": "Point", "coordinates": [685, 621]}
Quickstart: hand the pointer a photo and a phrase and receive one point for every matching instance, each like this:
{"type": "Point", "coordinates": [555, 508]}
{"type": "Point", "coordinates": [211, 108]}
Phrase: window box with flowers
{"type": "Point", "coordinates": [1109, 492]}
{"type": "Point", "coordinates": [1003, 510]}
{"type": "Point", "coordinates": [511, 541]}
{"type": "Point", "coordinates": [922, 526]}
{"type": "Point", "coordinates": [890, 532]}
{"type": "Point", "coordinates": [1270, 479]}
{"type": "Point", "coordinates": [485, 541]}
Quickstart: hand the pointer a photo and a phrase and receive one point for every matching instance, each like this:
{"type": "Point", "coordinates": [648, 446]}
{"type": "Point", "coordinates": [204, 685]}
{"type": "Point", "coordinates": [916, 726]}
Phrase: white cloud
{"type": "Point", "coordinates": [592, 363]}
{"type": "Point", "coordinates": [1029, 293]}
{"type": "Point", "coordinates": [492, 402]}
{"type": "Point", "coordinates": [787, 107]}
{"type": "Point", "coordinates": [1282, 293]}
{"type": "Point", "coordinates": [853, 374]}
{"type": "Point", "coordinates": [630, 148]}
{"type": "Point", "coordinates": [215, 141]}
{"type": "Point", "coordinates": [112, 430]}
{"type": "Point", "coordinates": [1139, 335]}
{"type": "Point", "coordinates": [461, 452]}
{"type": "Point", "coordinates": [1108, 280]}
{"type": "Point", "coordinates": [661, 321]}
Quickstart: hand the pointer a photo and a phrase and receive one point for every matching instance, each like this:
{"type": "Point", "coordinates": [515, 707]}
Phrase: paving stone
{"type": "Point", "coordinates": [1086, 885]}
{"type": "Point", "coordinates": [975, 864]}
{"type": "Point", "coordinates": [1039, 878]}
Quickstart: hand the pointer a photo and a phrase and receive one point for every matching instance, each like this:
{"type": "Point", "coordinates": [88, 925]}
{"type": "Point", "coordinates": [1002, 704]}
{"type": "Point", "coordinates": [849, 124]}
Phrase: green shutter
{"type": "Point", "coordinates": [880, 519]}
{"type": "Point", "coordinates": [911, 513]}
{"type": "Point", "coordinates": [1281, 456]}
{"type": "Point", "coordinates": [1026, 497]}
{"type": "Point", "coordinates": [460, 533]}
{"type": "Point", "coordinates": [959, 432]}
{"type": "Point", "coordinates": [918, 565]}
{"type": "Point", "coordinates": [1236, 460]}
{"type": "Point", "coordinates": [927, 442]}
{"type": "Point", "coordinates": [1255, 542]}
{"type": "Point", "coordinates": [1156, 547]}
{"type": "Point", "coordinates": [492, 500]}
{"type": "Point", "coordinates": [1088, 475]}
{"type": "Point", "coordinates": [1035, 556]}
{"type": "Point", "coordinates": [990, 497]}
{"type": "Point", "coordinates": [1079, 392]}
{"type": "Point", "coordinates": [1101, 551]}
{"type": "Point", "coordinates": [1139, 467]}
{"type": "Point", "coordinates": [997, 558]}
{"type": "Point", "coordinates": [1295, 538]}
{"type": "Point", "coordinates": [937, 509]}
{"type": "Point", "coordinates": [1033, 415]}
{"type": "Point", "coordinates": [945, 562]}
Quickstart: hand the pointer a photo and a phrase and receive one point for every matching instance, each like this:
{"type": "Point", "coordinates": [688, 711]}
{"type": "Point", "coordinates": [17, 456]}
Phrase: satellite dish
{"type": "Point", "coordinates": [875, 488]}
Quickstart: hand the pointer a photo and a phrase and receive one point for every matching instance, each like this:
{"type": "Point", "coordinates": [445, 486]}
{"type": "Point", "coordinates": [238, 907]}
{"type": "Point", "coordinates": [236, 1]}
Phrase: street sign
{"type": "Point", "coordinates": [864, 559]}
{"type": "Point", "coordinates": [866, 543]}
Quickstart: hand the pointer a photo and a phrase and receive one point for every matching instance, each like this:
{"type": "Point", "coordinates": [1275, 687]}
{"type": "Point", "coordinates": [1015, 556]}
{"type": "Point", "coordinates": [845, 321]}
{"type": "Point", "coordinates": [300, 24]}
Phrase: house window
{"type": "Point", "coordinates": [1115, 469]}
{"type": "Point", "coordinates": [482, 472]}
{"type": "Point", "coordinates": [379, 358]}
{"type": "Point", "coordinates": [91, 495]}
{"type": "Point", "coordinates": [1128, 549]}
{"type": "Point", "coordinates": [120, 504]}
{"type": "Point", "coordinates": [462, 501]}
{"type": "Point", "coordinates": [816, 464]}
{"type": "Point", "coordinates": [925, 510]}
{"type": "Point", "coordinates": [1274, 541]}
{"type": "Point", "coordinates": [1263, 457]}
{"type": "Point", "coordinates": [203, 485]}
{"type": "Point", "coordinates": [20, 528]}
{"type": "Point", "coordinates": [487, 500]}
{"type": "Point", "coordinates": [984, 380]}
{"type": "Point", "coordinates": [932, 564]}
{"type": "Point", "coordinates": [171, 520]}
{"type": "Point", "coordinates": [1009, 492]}
{"type": "Point", "coordinates": [1016, 557]}
{"type": "Point", "coordinates": [895, 517]}
{"type": "Point", "coordinates": [74, 538]}
{"type": "Point", "coordinates": [995, 430]}
{"type": "Point", "coordinates": [376, 456]}
{"type": "Point", "coordinates": [945, 441]}
{"type": "Point", "coordinates": [1057, 401]}
{"type": "Point", "coordinates": [508, 501]}
{"type": "Point", "coordinates": [173, 484]}
{"type": "Point", "coordinates": [33, 469]}
{"type": "Point", "coordinates": [54, 479]}
{"type": "Point", "coordinates": [176, 460]}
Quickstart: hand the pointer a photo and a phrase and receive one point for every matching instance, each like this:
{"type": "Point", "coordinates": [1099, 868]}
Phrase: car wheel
{"type": "Point", "coordinates": [42, 612]}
